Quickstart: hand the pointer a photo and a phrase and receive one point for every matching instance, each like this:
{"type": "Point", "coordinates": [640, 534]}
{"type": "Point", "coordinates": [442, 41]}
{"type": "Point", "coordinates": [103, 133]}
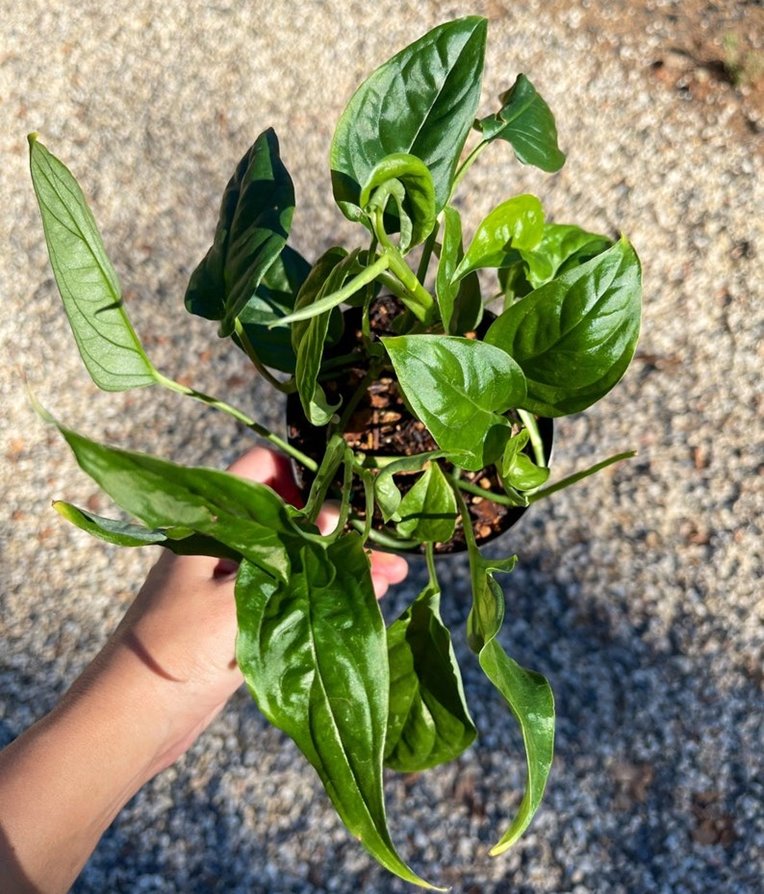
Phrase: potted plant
{"type": "Point", "coordinates": [425, 410]}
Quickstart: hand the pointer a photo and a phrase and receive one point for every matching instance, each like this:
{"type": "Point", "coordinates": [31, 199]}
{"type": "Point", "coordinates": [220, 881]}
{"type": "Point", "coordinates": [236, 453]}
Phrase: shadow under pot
{"type": "Point", "coordinates": [382, 428]}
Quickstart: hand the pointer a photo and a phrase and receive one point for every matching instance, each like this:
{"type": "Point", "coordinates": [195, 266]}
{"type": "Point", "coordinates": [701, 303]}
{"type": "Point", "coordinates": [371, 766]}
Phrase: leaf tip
{"type": "Point", "coordinates": [32, 138]}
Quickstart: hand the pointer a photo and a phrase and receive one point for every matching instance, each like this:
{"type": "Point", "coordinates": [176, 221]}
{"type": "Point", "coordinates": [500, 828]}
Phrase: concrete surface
{"type": "Point", "coordinates": [638, 593]}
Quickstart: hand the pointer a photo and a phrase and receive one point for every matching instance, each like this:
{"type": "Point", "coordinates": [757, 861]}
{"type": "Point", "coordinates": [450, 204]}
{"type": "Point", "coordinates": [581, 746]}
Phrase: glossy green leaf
{"type": "Point", "coordinates": [562, 247]}
{"type": "Point", "coordinates": [415, 199]}
{"type": "Point", "coordinates": [88, 283]}
{"type": "Point", "coordinates": [385, 488]}
{"type": "Point", "coordinates": [518, 470]}
{"type": "Point", "coordinates": [516, 224]}
{"type": "Point", "coordinates": [421, 102]}
{"type": "Point", "coordinates": [525, 121]}
{"type": "Point", "coordinates": [309, 336]}
{"type": "Point", "coordinates": [428, 722]}
{"type": "Point", "coordinates": [428, 511]}
{"type": "Point", "coordinates": [459, 388]}
{"type": "Point", "coordinates": [274, 299]}
{"type": "Point", "coordinates": [247, 517]}
{"type": "Point", "coordinates": [312, 650]}
{"type": "Point", "coordinates": [527, 693]}
{"type": "Point", "coordinates": [180, 541]}
{"type": "Point", "coordinates": [575, 336]}
{"type": "Point", "coordinates": [253, 225]}
{"type": "Point", "coordinates": [459, 301]}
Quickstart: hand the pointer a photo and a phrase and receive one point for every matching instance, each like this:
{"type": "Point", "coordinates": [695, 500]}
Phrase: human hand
{"type": "Point", "coordinates": [182, 625]}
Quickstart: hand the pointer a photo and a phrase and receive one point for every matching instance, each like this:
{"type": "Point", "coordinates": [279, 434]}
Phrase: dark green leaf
{"type": "Point", "coordinates": [516, 224]}
{"type": "Point", "coordinates": [312, 650]}
{"type": "Point", "coordinates": [527, 693]}
{"type": "Point", "coordinates": [88, 283]}
{"type": "Point", "coordinates": [274, 299]}
{"type": "Point", "coordinates": [309, 336]}
{"type": "Point", "coordinates": [180, 541]}
{"type": "Point", "coordinates": [415, 200]}
{"type": "Point", "coordinates": [421, 102]}
{"type": "Point", "coordinates": [247, 517]}
{"type": "Point", "coordinates": [385, 488]}
{"type": "Point", "coordinates": [458, 387]}
{"type": "Point", "coordinates": [428, 722]}
{"type": "Point", "coordinates": [428, 511]}
{"type": "Point", "coordinates": [575, 336]}
{"type": "Point", "coordinates": [253, 225]}
{"type": "Point", "coordinates": [526, 121]}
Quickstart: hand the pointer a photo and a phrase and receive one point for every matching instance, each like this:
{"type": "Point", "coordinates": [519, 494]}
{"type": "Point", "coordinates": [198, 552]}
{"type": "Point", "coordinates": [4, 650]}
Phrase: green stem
{"type": "Point", "coordinates": [429, 552]}
{"type": "Point", "coordinates": [424, 261]}
{"type": "Point", "coordinates": [250, 423]}
{"type": "Point", "coordinates": [578, 476]}
{"type": "Point", "coordinates": [502, 499]}
{"type": "Point", "coordinates": [367, 275]}
{"type": "Point", "coordinates": [466, 165]}
{"type": "Point", "coordinates": [422, 305]}
{"type": "Point", "coordinates": [241, 334]}
{"type": "Point", "coordinates": [529, 421]}
{"type": "Point", "coordinates": [383, 539]}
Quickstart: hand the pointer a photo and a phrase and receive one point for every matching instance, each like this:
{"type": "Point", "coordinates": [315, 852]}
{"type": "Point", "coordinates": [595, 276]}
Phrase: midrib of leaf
{"type": "Point", "coordinates": [478, 409]}
{"type": "Point", "coordinates": [319, 678]}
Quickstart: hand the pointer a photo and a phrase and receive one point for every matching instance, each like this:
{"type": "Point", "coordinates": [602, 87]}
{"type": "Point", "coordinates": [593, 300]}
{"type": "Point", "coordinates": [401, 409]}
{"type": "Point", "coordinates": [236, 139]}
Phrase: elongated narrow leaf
{"type": "Point", "coordinates": [421, 102]}
{"type": "Point", "coordinates": [180, 541]}
{"type": "Point", "coordinates": [429, 722]}
{"type": "Point", "coordinates": [428, 511]}
{"type": "Point", "coordinates": [312, 650]}
{"type": "Point", "coordinates": [526, 121]}
{"type": "Point", "coordinates": [274, 298]}
{"type": "Point", "coordinates": [459, 388]}
{"type": "Point", "coordinates": [575, 336]}
{"type": "Point", "coordinates": [253, 225]}
{"type": "Point", "coordinates": [459, 300]}
{"type": "Point", "coordinates": [88, 283]}
{"type": "Point", "coordinates": [309, 336]}
{"type": "Point", "coordinates": [527, 693]}
{"type": "Point", "coordinates": [516, 224]}
{"type": "Point", "coordinates": [386, 490]}
{"type": "Point", "coordinates": [247, 517]}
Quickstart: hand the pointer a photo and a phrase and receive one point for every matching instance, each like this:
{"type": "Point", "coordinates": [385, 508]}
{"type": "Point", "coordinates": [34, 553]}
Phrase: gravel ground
{"type": "Point", "coordinates": [638, 592]}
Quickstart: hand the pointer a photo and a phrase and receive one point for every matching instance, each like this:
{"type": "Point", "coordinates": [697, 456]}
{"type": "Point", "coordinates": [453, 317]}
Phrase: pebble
{"type": "Point", "coordinates": [638, 592]}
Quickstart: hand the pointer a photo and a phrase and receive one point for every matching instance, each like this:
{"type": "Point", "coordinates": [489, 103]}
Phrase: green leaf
{"type": "Point", "coordinates": [386, 490]}
{"type": "Point", "coordinates": [516, 224]}
{"type": "Point", "coordinates": [253, 225]}
{"type": "Point", "coordinates": [575, 336]}
{"type": "Point", "coordinates": [415, 199]}
{"type": "Point", "coordinates": [525, 121]}
{"type": "Point", "coordinates": [527, 693]}
{"type": "Point", "coordinates": [421, 102]}
{"type": "Point", "coordinates": [428, 722]}
{"type": "Point", "coordinates": [458, 387]}
{"type": "Point", "coordinates": [518, 470]}
{"type": "Point", "coordinates": [460, 301]}
{"type": "Point", "coordinates": [308, 337]}
{"type": "Point", "coordinates": [312, 650]}
{"type": "Point", "coordinates": [88, 283]}
{"type": "Point", "coordinates": [562, 247]}
{"type": "Point", "coordinates": [274, 299]}
{"type": "Point", "coordinates": [180, 541]}
{"type": "Point", "coordinates": [247, 517]}
{"type": "Point", "coordinates": [428, 511]}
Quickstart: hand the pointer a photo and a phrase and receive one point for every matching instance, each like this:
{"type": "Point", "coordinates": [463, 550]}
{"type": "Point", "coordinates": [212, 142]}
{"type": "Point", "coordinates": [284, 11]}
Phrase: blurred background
{"type": "Point", "coordinates": [638, 592]}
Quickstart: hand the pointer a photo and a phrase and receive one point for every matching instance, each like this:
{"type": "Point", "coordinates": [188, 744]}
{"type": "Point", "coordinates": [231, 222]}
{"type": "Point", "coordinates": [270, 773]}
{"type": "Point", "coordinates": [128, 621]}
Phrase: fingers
{"type": "Point", "coordinates": [271, 468]}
